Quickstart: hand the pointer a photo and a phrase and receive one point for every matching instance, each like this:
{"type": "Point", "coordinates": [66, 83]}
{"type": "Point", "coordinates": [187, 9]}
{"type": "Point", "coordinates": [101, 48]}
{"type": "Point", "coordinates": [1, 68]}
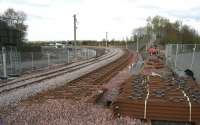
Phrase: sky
{"type": "Point", "coordinates": [53, 19]}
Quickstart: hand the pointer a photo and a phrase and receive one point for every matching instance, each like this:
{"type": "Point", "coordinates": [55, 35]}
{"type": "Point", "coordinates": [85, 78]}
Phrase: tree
{"type": "Point", "coordinates": [12, 28]}
{"type": "Point", "coordinates": [166, 31]}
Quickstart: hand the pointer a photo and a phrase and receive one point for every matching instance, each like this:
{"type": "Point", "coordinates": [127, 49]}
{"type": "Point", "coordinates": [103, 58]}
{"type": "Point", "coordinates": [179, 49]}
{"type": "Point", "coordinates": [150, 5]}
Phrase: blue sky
{"type": "Point", "coordinates": [52, 19]}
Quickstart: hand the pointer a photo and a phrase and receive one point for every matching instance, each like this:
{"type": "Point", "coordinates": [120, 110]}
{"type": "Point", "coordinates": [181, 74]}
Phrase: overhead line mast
{"type": "Point", "coordinates": [75, 28]}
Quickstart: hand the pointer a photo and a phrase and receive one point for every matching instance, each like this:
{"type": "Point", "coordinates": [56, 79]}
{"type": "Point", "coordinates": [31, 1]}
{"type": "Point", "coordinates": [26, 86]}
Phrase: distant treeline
{"type": "Point", "coordinates": [103, 42]}
{"type": "Point", "coordinates": [166, 32]}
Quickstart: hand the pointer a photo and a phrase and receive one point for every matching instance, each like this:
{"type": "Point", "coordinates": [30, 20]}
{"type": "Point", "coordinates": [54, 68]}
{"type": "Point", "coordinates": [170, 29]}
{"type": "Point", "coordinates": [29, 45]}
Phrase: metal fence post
{"type": "Point", "coordinates": [32, 60]}
{"type": "Point", "coordinates": [74, 57]}
{"type": "Point", "coordinates": [87, 53]}
{"type": "Point", "coordinates": [67, 55]}
{"type": "Point", "coordinates": [193, 55]}
{"type": "Point", "coordinates": [166, 53]}
{"type": "Point", "coordinates": [4, 62]}
{"type": "Point", "coordinates": [176, 55]}
{"type": "Point", "coordinates": [77, 54]}
{"type": "Point", "coordinates": [11, 60]}
{"type": "Point", "coordinates": [146, 47]}
{"type": "Point", "coordinates": [48, 56]}
{"type": "Point", "coordinates": [137, 46]}
{"type": "Point", "coordinates": [81, 51]}
{"type": "Point", "coordinates": [20, 63]}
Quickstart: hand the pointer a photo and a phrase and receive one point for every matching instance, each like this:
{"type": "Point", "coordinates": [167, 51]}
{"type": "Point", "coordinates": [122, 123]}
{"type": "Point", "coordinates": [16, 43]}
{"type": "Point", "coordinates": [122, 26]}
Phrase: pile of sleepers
{"type": "Point", "coordinates": [154, 62]}
{"type": "Point", "coordinates": [157, 98]}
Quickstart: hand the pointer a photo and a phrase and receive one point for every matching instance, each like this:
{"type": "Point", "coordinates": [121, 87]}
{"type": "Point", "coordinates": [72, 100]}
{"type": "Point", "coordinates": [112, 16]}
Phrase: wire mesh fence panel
{"type": "Point", "coordinates": [55, 56]}
{"type": "Point", "coordinates": [80, 55]}
{"type": "Point", "coordinates": [169, 56]}
{"type": "Point", "coordinates": [33, 60]}
{"type": "Point", "coordinates": [40, 60]}
{"type": "Point", "coordinates": [91, 53]}
{"type": "Point", "coordinates": [132, 46]}
{"type": "Point", "coordinates": [1, 64]}
{"type": "Point", "coordinates": [27, 61]}
{"type": "Point", "coordinates": [71, 55]}
{"type": "Point", "coordinates": [140, 47]}
{"type": "Point", "coordinates": [19, 63]}
{"type": "Point", "coordinates": [184, 56]}
{"type": "Point", "coordinates": [85, 51]}
{"type": "Point", "coordinates": [12, 61]}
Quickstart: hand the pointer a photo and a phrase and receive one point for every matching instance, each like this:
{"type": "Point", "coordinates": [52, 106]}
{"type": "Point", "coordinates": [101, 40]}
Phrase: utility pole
{"type": "Point", "coordinates": [75, 27]}
{"type": "Point", "coordinates": [106, 39]}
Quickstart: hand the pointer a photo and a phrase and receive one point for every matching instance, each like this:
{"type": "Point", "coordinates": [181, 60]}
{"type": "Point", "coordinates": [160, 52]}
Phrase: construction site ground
{"type": "Point", "coordinates": [145, 90]}
{"type": "Point", "coordinates": [157, 95]}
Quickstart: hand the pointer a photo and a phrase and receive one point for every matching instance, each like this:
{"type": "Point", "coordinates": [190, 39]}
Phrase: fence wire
{"type": "Point", "coordinates": [132, 46]}
{"type": "Point", "coordinates": [18, 63]}
{"type": "Point", "coordinates": [184, 56]}
{"type": "Point", "coordinates": [1, 64]}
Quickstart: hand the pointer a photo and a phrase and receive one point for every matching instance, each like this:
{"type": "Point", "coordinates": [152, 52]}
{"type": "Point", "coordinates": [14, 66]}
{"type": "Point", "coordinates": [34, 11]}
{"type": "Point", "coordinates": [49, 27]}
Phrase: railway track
{"type": "Point", "coordinates": [33, 79]}
{"type": "Point", "coordinates": [87, 86]}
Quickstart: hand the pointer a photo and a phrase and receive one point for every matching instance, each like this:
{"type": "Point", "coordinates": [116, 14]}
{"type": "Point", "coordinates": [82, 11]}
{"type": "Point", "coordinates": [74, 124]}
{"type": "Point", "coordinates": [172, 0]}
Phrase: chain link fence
{"type": "Point", "coordinates": [180, 57]}
{"type": "Point", "coordinates": [1, 64]}
{"type": "Point", "coordinates": [141, 47]}
{"type": "Point", "coordinates": [132, 46]}
{"type": "Point", "coordinates": [17, 63]}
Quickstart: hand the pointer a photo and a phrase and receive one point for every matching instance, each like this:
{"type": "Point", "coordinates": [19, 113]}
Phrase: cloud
{"type": "Point", "coordinates": [52, 20]}
{"type": "Point", "coordinates": [36, 3]}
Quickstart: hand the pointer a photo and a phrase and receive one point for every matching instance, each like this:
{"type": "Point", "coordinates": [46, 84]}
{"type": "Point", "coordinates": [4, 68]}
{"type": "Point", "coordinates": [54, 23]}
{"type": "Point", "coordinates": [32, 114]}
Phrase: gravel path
{"type": "Point", "coordinates": [114, 84]}
{"type": "Point", "coordinates": [64, 112]}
